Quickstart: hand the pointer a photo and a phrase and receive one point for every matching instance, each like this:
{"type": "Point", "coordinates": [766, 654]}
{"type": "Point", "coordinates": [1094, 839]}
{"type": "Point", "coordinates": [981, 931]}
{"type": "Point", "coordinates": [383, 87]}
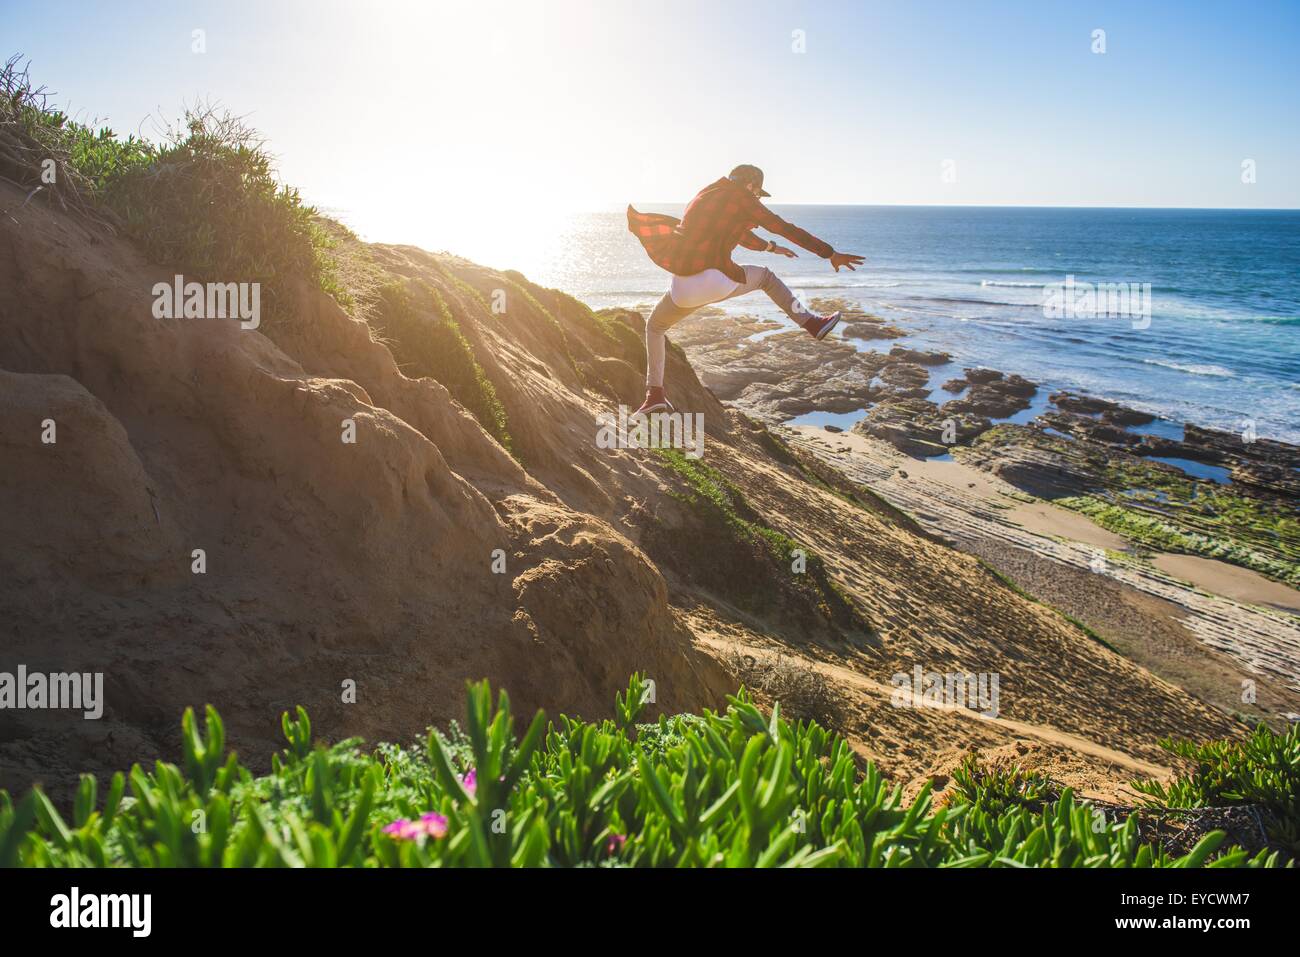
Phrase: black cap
{"type": "Point", "coordinates": [744, 173]}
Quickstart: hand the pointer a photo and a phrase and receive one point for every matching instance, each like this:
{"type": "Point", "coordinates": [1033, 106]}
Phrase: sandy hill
{"type": "Point", "coordinates": [373, 562]}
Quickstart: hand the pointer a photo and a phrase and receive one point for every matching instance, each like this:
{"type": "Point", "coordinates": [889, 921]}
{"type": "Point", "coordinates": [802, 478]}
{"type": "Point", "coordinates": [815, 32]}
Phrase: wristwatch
{"type": "Point", "coordinates": [771, 245]}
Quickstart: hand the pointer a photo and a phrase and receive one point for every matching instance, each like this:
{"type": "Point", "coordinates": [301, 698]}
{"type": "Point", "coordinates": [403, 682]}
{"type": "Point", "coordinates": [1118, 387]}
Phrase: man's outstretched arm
{"type": "Point", "coordinates": [751, 241]}
{"type": "Point", "coordinates": [775, 224]}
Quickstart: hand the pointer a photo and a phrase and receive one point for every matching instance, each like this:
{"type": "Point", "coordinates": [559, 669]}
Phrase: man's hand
{"type": "Point", "coordinates": [851, 260]}
{"type": "Point", "coordinates": [783, 251]}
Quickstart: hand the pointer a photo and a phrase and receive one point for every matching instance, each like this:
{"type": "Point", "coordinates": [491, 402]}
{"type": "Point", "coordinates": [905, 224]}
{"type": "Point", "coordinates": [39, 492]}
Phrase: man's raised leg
{"type": "Point", "coordinates": [760, 277]}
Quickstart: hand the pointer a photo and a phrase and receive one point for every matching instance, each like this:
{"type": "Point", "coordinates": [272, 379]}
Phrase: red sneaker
{"type": "Point", "coordinates": [819, 326]}
{"type": "Point", "coordinates": [655, 401]}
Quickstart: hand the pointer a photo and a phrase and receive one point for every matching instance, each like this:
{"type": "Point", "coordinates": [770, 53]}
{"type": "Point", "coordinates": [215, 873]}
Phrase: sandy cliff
{"type": "Point", "coordinates": [372, 562]}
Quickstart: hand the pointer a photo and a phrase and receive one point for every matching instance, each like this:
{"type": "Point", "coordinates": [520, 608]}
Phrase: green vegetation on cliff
{"type": "Point", "coordinates": [425, 339]}
{"type": "Point", "coordinates": [735, 789]}
{"type": "Point", "coordinates": [744, 557]}
{"type": "Point", "coordinates": [204, 201]}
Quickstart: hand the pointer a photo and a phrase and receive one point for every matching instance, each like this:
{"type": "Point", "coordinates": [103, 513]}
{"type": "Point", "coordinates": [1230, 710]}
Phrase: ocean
{"type": "Point", "coordinates": [1220, 346]}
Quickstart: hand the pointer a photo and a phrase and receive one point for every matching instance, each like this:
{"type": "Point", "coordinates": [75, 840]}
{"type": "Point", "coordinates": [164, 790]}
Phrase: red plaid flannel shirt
{"type": "Point", "coordinates": [719, 217]}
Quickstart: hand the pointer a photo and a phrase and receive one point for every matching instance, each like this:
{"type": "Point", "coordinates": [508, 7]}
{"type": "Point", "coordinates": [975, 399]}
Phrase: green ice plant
{"type": "Point", "coordinates": [628, 709]}
{"type": "Point", "coordinates": [297, 732]}
{"type": "Point", "coordinates": [735, 788]}
{"type": "Point", "coordinates": [203, 751]}
{"type": "Point", "coordinates": [491, 832]}
{"type": "Point", "coordinates": [583, 777]}
{"type": "Point", "coordinates": [1262, 770]}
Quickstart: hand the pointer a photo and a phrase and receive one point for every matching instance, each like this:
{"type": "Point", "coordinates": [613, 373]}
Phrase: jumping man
{"type": "Point", "coordinates": [697, 250]}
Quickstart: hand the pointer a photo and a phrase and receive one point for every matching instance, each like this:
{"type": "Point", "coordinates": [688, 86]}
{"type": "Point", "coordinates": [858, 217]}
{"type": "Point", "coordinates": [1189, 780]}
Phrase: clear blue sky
{"type": "Point", "coordinates": [401, 113]}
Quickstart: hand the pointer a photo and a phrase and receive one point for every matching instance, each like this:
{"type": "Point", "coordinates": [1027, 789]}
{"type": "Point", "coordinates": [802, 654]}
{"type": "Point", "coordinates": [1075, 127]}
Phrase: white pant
{"type": "Point", "coordinates": [712, 285]}
{"type": "Point", "coordinates": [688, 293]}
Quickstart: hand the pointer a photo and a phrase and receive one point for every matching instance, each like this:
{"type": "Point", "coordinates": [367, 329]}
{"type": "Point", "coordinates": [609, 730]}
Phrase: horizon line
{"type": "Point", "coordinates": [1227, 209]}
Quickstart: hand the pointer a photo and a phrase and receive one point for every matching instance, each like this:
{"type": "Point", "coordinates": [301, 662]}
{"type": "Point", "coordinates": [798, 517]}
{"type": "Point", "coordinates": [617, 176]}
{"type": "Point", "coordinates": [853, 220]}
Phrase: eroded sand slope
{"type": "Point", "coordinates": [372, 562]}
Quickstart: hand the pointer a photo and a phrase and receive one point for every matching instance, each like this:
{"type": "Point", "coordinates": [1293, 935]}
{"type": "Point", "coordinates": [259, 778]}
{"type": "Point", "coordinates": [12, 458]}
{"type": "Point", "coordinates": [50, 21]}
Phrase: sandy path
{"type": "Point", "coordinates": [1073, 742]}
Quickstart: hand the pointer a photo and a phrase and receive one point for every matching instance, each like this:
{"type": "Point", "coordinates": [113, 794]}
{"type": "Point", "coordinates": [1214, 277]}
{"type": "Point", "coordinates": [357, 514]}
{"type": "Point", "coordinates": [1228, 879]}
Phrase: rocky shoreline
{"type": "Point", "coordinates": [1160, 487]}
{"type": "Point", "coordinates": [1189, 566]}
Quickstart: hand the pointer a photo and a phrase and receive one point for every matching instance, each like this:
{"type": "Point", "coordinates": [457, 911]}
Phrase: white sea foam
{"type": "Point", "coordinates": [1012, 285]}
{"type": "Point", "coordinates": [1213, 370]}
{"type": "Point", "coordinates": [841, 284]}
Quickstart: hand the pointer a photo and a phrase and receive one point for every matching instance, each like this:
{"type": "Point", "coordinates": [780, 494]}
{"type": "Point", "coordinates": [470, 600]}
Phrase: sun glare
{"type": "Point", "coordinates": [490, 183]}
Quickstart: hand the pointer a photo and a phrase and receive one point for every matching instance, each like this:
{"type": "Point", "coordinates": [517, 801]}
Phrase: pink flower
{"type": "Point", "coordinates": [403, 830]}
{"type": "Point", "coordinates": [614, 844]}
{"type": "Point", "coordinates": [469, 781]}
{"type": "Point", "coordinates": [429, 825]}
{"type": "Point", "coordinates": [435, 825]}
